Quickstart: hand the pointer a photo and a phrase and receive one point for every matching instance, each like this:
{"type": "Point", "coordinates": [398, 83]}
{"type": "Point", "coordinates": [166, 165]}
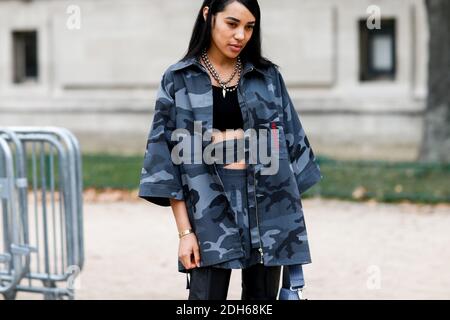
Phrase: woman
{"type": "Point", "coordinates": [243, 213]}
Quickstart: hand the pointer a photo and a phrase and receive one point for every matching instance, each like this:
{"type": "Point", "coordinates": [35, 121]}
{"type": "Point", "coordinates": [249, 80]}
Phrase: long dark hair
{"type": "Point", "coordinates": [201, 34]}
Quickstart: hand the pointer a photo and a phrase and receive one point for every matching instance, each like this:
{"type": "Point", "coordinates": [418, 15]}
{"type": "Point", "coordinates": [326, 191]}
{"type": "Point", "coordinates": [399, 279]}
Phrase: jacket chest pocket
{"type": "Point", "coordinates": [272, 138]}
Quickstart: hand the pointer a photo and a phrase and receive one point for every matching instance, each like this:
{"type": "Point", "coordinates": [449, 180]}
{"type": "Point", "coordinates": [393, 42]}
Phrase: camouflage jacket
{"type": "Point", "coordinates": [184, 96]}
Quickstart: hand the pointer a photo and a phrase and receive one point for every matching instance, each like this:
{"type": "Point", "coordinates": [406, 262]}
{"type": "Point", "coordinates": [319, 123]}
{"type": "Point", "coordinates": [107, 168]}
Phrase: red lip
{"type": "Point", "coordinates": [235, 45]}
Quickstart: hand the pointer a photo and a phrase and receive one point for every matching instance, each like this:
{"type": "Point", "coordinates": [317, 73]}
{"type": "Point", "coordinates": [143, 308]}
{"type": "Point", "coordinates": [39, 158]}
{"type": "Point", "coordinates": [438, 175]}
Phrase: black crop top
{"type": "Point", "coordinates": [226, 111]}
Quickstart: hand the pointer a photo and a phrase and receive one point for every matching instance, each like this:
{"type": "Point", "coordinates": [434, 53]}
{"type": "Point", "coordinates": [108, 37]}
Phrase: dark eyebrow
{"type": "Point", "coordinates": [237, 20]}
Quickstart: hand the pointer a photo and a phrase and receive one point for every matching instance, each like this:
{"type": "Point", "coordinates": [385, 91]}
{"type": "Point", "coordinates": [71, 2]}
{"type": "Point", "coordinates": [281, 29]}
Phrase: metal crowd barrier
{"type": "Point", "coordinates": [41, 242]}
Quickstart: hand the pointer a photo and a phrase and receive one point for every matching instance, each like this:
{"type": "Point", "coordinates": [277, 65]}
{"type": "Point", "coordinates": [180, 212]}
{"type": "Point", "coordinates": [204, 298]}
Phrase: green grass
{"type": "Point", "coordinates": [108, 171]}
{"type": "Point", "coordinates": [379, 180]}
{"type": "Point", "coordinates": [384, 181]}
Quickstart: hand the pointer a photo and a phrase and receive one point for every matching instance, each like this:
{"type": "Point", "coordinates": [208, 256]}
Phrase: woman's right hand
{"type": "Point", "coordinates": [188, 251]}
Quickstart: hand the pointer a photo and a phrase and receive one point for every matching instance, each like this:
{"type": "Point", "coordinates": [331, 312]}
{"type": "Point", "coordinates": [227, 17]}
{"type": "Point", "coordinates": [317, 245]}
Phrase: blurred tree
{"type": "Point", "coordinates": [436, 135]}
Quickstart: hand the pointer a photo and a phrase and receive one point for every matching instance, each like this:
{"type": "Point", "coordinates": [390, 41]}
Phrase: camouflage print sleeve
{"type": "Point", "coordinates": [306, 170]}
{"type": "Point", "coordinates": [160, 177]}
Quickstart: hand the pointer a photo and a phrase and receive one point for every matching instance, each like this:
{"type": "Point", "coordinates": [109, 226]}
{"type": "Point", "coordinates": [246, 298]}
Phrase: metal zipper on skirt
{"type": "Point", "coordinates": [221, 181]}
{"type": "Point", "coordinates": [257, 220]}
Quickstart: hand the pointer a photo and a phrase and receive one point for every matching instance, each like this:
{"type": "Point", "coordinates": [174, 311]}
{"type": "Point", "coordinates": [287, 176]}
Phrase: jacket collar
{"type": "Point", "coordinates": [247, 67]}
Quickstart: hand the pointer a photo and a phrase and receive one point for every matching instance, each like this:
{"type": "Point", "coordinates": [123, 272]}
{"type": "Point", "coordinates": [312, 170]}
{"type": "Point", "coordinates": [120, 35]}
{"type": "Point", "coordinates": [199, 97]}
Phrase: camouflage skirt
{"type": "Point", "coordinates": [235, 185]}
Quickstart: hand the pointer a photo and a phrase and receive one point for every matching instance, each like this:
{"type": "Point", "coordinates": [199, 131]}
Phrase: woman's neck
{"type": "Point", "coordinates": [220, 60]}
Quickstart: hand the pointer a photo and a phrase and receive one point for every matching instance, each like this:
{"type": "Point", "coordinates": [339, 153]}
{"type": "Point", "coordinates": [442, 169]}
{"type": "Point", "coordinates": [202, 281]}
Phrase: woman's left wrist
{"type": "Point", "coordinates": [184, 232]}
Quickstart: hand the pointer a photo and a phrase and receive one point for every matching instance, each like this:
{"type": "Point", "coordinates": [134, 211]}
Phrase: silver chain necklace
{"type": "Point", "coordinates": [215, 74]}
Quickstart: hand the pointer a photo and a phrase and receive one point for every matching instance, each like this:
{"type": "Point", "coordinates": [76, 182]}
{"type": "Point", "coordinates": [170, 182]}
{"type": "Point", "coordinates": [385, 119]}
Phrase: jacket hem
{"type": "Point", "coordinates": [182, 269]}
{"type": "Point", "coordinates": [308, 177]}
{"type": "Point", "coordinates": [160, 194]}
